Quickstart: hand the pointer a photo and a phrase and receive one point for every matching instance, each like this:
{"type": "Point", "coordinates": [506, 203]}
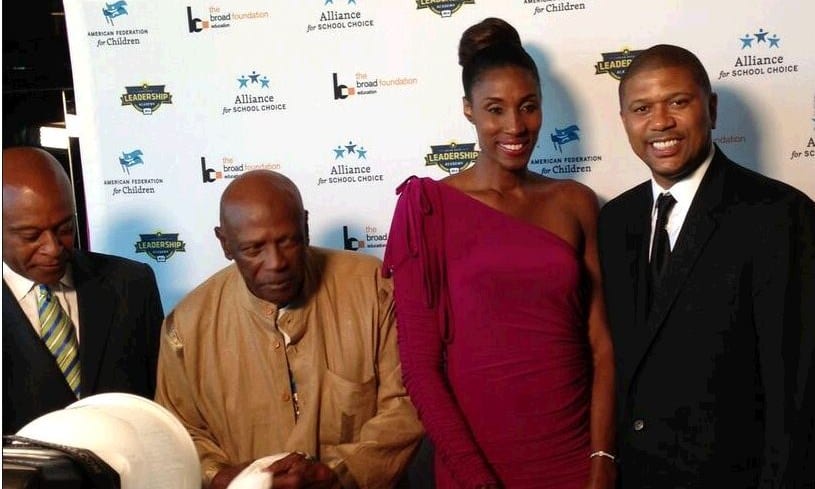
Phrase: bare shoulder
{"type": "Point", "coordinates": [571, 193]}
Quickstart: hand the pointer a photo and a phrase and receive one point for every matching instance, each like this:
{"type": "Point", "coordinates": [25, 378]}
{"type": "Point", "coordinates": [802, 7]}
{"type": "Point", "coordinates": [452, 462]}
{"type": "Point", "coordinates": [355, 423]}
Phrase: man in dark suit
{"type": "Point", "coordinates": [51, 290]}
{"type": "Point", "coordinates": [710, 297]}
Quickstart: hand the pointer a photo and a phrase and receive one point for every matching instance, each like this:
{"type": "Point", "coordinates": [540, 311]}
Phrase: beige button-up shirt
{"type": "Point", "coordinates": [224, 370]}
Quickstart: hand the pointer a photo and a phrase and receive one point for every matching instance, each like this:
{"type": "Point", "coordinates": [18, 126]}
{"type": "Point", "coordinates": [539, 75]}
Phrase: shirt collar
{"type": "Point", "coordinates": [20, 286]}
{"type": "Point", "coordinates": [684, 190]}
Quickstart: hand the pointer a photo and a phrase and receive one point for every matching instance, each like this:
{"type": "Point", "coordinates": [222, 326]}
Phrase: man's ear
{"type": "Point", "coordinates": [467, 108]}
{"type": "Point", "coordinates": [219, 233]}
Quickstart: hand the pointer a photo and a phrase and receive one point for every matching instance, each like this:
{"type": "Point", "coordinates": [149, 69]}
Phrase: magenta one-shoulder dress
{"type": "Point", "coordinates": [493, 341]}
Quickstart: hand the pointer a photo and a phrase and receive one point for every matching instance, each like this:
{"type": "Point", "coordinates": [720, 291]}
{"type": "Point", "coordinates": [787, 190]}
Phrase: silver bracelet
{"type": "Point", "coordinates": [601, 453]}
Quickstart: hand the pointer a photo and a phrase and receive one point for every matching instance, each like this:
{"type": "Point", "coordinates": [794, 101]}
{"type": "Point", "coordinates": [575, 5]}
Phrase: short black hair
{"type": "Point", "coordinates": [666, 56]}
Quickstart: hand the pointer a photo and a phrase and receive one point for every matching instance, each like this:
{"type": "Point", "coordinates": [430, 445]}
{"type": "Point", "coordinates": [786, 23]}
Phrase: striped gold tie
{"type": "Point", "coordinates": [58, 334]}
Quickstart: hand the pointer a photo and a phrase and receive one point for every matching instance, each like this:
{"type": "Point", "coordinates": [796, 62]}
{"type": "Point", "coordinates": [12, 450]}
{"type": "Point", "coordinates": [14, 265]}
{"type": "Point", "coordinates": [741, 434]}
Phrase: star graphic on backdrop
{"type": "Point", "coordinates": [774, 40]}
{"type": "Point", "coordinates": [746, 41]}
{"type": "Point", "coordinates": [242, 80]}
{"type": "Point", "coordinates": [329, 1]}
{"type": "Point", "coordinates": [350, 147]}
{"type": "Point", "coordinates": [339, 153]}
{"type": "Point", "coordinates": [254, 76]}
{"type": "Point", "coordinates": [761, 35]}
{"type": "Point", "coordinates": [264, 82]}
{"type": "Point", "coordinates": [352, 1]}
{"type": "Point", "coordinates": [361, 152]}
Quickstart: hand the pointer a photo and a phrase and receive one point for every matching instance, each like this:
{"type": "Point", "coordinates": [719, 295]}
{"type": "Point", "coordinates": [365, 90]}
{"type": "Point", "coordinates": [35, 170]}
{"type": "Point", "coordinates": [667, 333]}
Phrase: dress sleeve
{"type": "Point", "coordinates": [415, 258]}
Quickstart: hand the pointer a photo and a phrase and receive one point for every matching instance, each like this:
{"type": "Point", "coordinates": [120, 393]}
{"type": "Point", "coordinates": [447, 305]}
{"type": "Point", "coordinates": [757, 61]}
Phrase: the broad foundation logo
{"type": "Point", "coordinates": [554, 6]}
{"type": "Point", "coordinates": [114, 34]}
{"type": "Point", "coordinates": [160, 246]}
{"type": "Point", "coordinates": [127, 185]}
{"type": "Point", "coordinates": [452, 157]}
{"type": "Point", "coordinates": [350, 165]}
{"type": "Point", "coordinates": [372, 239]}
{"type": "Point", "coordinates": [253, 94]}
{"type": "Point", "coordinates": [615, 63]}
{"type": "Point", "coordinates": [339, 17]}
{"type": "Point", "coordinates": [444, 8]}
{"type": "Point", "coordinates": [565, 157]}
{"type": "Point", "coordinates": [221, 18]}
{"type": "Point", "coordinates": [759, 54]}
{"type": "Point", "coordinates": [365, 84]}
{"type": "Point", "coordinates": [231, 168]}
{"type": "Point", "coordinates": [146, 98]}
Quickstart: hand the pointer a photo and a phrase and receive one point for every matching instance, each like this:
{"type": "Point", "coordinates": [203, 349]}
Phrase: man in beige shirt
{"type": "Point", "coordinates": [290, 349]}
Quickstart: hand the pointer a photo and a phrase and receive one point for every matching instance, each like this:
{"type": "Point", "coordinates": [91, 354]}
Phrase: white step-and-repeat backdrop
{"type": "Point", "coordinates": [350, 97]}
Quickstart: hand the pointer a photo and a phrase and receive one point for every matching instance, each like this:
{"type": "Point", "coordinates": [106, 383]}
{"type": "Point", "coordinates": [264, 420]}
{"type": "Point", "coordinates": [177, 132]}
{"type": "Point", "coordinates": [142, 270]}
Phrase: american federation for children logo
{"type": "Point", "coordinates": [128, 160]}
{"type": "Point", "coordinates": [565, 135]}
{"type": "Point", "coordinates": [350, 165]}
{"type": "Point", "coordinates": [759, 53]}
{"type": "Point", "coordinates": [443, 8]}
{"type": "Point", "coordinates": [615, 63]}
{"type": "Point", "coordinates": [146, 98]}
{"type": "Point", "coordinates": [452, 157]}
{"type": "Point", "coordinates": [113, 10]}
{"type": "Point", "coordinates": [160, 246]}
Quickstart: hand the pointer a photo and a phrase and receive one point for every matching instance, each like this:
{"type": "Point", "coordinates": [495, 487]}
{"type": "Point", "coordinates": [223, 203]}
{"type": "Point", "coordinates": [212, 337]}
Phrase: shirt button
{"type": "Point", "coordinates": [639, 425]}
{"type": "Point", "coordinates": [286, 397]}
{"type": "Point", "coordinates": [276, 345]}
{"type": "Point", "coordinates": [269, 311]}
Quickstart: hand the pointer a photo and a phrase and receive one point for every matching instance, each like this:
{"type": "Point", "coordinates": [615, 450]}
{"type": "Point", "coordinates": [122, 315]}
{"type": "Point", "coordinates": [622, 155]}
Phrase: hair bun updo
{"type": "Point", "coordinates": [491, 30]}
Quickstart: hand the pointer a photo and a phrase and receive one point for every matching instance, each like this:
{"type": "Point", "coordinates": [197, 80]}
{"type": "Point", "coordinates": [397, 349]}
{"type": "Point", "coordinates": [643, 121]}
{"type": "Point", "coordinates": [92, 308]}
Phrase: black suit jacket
{"type": "Point", "coordinates": [120, 318]}
{"type": "Point", "coordinates": [711, 384]}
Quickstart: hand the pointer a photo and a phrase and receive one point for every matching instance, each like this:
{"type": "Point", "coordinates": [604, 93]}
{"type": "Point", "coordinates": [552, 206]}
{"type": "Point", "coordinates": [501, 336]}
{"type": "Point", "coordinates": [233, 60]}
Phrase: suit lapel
{"type": "Point", "coordinates": [696, 231]}
{"type": "Point", "coordinates": [96, 315]}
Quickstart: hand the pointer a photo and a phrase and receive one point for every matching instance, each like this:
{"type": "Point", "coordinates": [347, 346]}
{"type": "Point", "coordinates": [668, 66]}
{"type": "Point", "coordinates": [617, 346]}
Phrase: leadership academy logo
{"type": "Point", "coordinates": [132, 182]}
{"type": "Point", "coordinates": [339, 15]}
{"type": "Point", "coordinates": [350, 165]}
{"type": "Point", "coordinates": [565, 156]}
{"type": "Point", "coordinates": [216, 17]}
{"type": "Point", "coordinates": [114, 27]}
{"type": "Point", "coordinates": [372, 238]}
{"type": "Point", "coordinates": [443, 8]}
{"type": "Point", "coordinates": [615, 63]}
{"type": "Point", "coordinates": [365, 84]}
{"type": "Point", "coordinates": [452, 157]}
{"type": "Point", "coordinates": [553, 6]}
{"type": "Point", "coordinates": [759, 53]}
{"type": "Point", "coordinates": [160, 246]}
{"type": "Point", "coordinates": [253, 94]}
{"type": "Point", "coordinates": [146, 98]}
{"type": "Point", "coordinates": [230, 167]}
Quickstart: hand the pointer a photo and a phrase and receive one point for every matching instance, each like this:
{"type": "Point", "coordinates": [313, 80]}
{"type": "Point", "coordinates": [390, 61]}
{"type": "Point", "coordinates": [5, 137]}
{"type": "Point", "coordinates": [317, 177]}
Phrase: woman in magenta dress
{"type": "Point", "coordinates": [502, 332]}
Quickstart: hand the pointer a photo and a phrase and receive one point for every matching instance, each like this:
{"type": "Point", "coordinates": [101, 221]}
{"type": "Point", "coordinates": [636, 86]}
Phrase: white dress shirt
{"type": "Point", "coordinates": [683, 191]}
{"type": "Point", "coordinates": [25, 291]}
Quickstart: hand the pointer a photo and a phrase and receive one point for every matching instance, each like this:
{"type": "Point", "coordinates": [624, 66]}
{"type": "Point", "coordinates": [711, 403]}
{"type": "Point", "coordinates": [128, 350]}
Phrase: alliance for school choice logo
{"type": "Point", "coordinates": [759, 54]}
{"type": "Point", "coordinates": [558, 162]}
{"type": "Point", "coordinates": [132, 187]}
{"type": "Point", "coordinates": [229, 168]}
{"type": "Point", "coordinates": [107, 35]}
{"type": "Point", "coordinates": [368, 85]}
{"type": "Point", "coordinates": [808, 150]}
{"type": "Point", "coordinates": [339, 17]}
{"type": "Point", "coordinates": [373, 239]}
{"type": "Point", "coordinates": [615, 63]}
{"type": "Point", "coordinates": [253, 95]}
{"type": "Point", "coordinates": [350, 166]}
{"type": "Point", "coordinates": [146, 98]}
{"type": "Point", "coordinates": [444, 8]}
{"type": "Point", "coordinates": [452, 157]}
{"type": "Point", "coordinates": [219, 18]}
{"type": "Point", "coordinates": [160, 246]}
{"type": "Point", "coordinates": [554, 6]}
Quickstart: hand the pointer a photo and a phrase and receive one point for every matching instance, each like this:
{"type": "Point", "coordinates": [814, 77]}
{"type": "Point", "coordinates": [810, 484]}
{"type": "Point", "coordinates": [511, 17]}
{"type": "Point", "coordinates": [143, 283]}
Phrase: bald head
{"type": "Point", "coordinates": [264, 229]}
{"type": "Point", "coordinates": [38, 214]}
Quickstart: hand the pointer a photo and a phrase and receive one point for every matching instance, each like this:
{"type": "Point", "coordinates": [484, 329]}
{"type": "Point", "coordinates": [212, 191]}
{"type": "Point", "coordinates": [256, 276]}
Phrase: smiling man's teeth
{"type": "Point", "coordinates": [513, 147]}
{"type": "Point", "coordinates": [665, 144]}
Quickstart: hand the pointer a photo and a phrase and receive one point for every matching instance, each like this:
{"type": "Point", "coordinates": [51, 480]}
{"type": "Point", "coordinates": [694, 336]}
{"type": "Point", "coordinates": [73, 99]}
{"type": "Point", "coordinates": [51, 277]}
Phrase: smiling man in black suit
{"type": "Point", "coordinates": [74, 323]}
{"type": "Point", "coordinates": [709, 273]}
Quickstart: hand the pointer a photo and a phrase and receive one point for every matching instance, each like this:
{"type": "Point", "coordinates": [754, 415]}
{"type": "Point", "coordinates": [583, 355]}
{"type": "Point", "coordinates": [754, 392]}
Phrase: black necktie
{"type": "Point", "coordinates": [661, 248]}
